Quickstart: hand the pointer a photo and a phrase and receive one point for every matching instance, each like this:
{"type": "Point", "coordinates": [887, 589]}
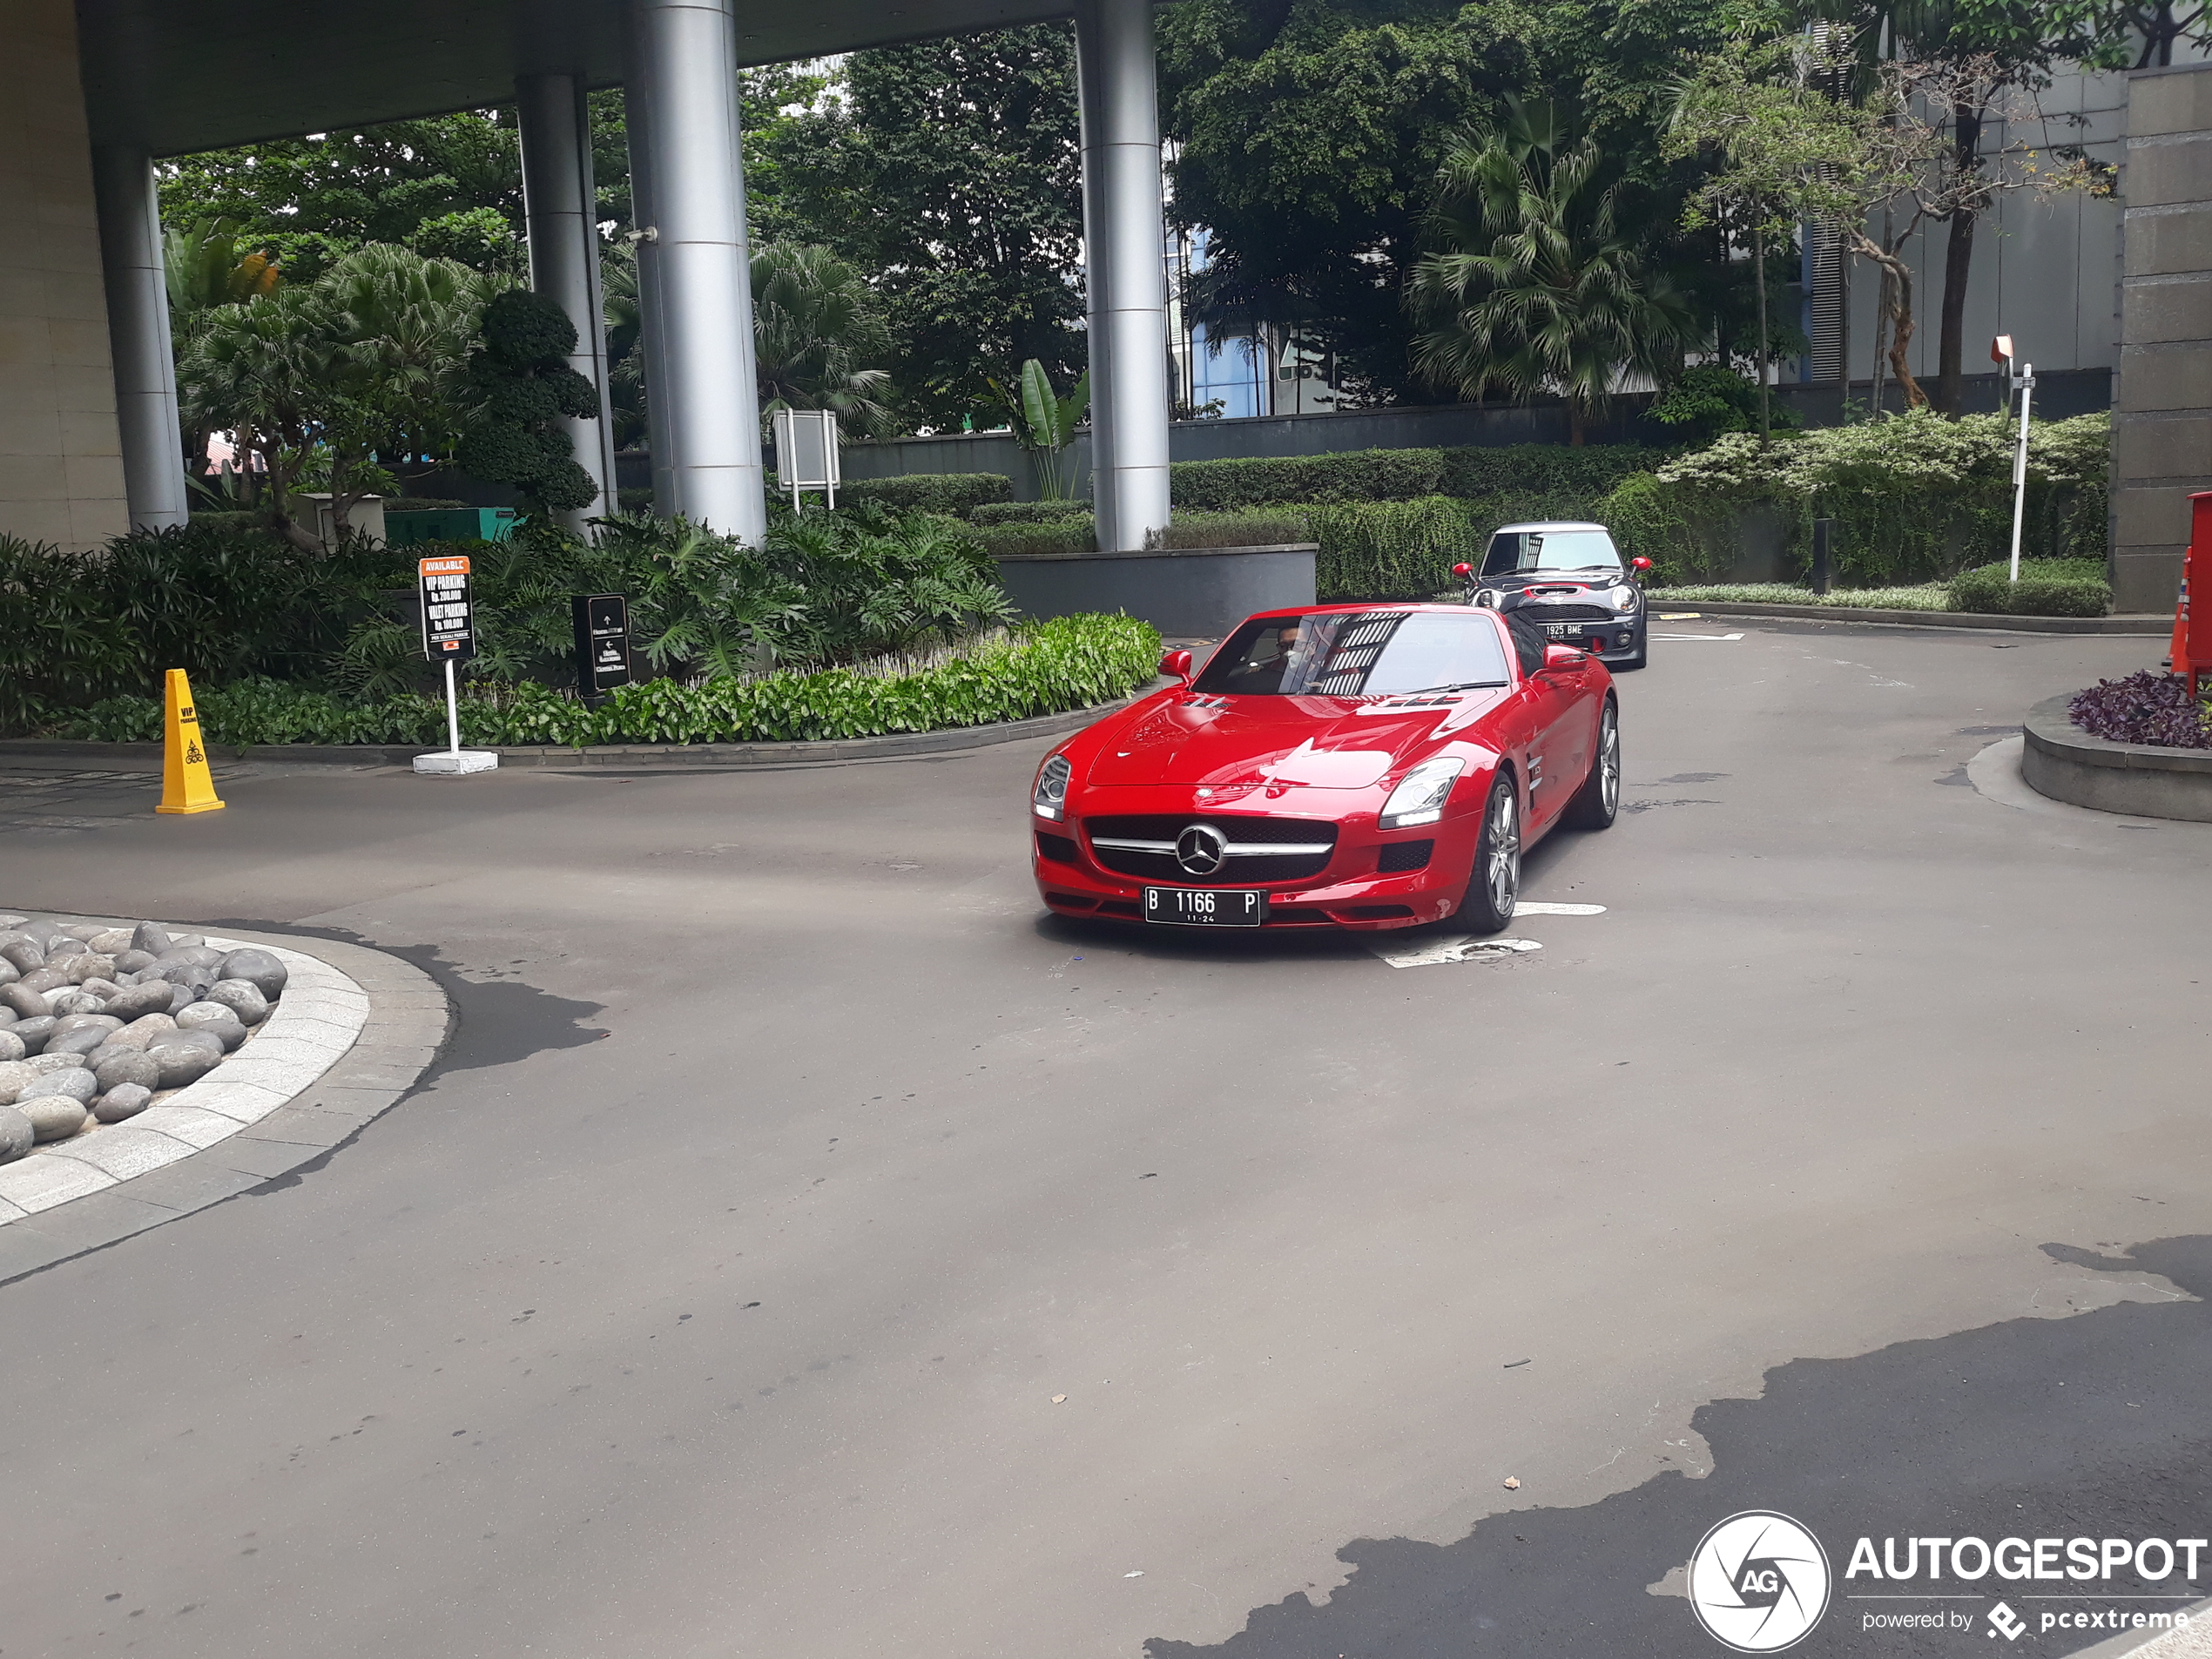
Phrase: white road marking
{"type": "Point", "coordinates": [1697, 635]}
{"type": "Point", "coordinates": [1458, 947]}
{"type": "Point", "coordinates": [1681, 616]}
{"type": "Point", "coordinates": [1543, 907]}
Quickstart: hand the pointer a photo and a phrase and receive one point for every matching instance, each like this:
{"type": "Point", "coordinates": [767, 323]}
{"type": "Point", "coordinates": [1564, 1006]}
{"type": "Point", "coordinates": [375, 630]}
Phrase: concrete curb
{"type": "Point", "coordinates": [2062, 761]}
{"type": "Point", "coordinates": [2134, 627]}
{"type": "Point", "coordinates": [353, 1032]}
{"type": "Point", "coordinates": [665, 757]}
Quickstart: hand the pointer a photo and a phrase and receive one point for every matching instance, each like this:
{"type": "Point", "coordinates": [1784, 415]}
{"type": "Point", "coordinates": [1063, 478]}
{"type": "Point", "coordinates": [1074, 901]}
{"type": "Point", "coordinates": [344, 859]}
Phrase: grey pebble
{"type": "Point", "coordinates": [88, 964]}
{"type": "Point", "coordinates": [80, 1041]}
{"type": "Point", "coordinates": [92, 1019]}
{"type": "Point", "coordinates": [181, 997]}
{"type": "Point", "coordinates": [55, 1116]}
{"type": "Point", "coordinates": [10, 1046]}
{"type": "Point", "coordinates": [32, 1032]}
{"type": "Point", "coordinates": [149, 938]}
{"type": "Point", "coordinates": [24, 954]}
{"type": "Point", "coordinates": [182, 1063]}
{"type": "Point", "coordinates": [128, 1066]}
{"type": "Point", "coordinates": [111, 942]}
{"type": "Point", "coordinates": [125, 1099]}
{"type": "Point", "coordinates": [67, 1004]}
{"type": "Point", "coordinates": [134, 961]}
{"type": "Point", "coordinates": [16, 1135]}
{"type": "Point", "coordinates": [259, 969]}
{"type": "Point", "coordinates": [217, 1018]}
{"type": "Point", "coordinates": [151, 997]}
{"type": "Point", "coordinates": [243, 997]}
{"type": "Point", "coordinates": [201, 955]}
{"type": "Point", "coordinates": [26, 1001]}
{"type": "Point", "coordinates": [65, 944]}
{"type": "Point", "coordinates": [8, 972]}
{"type": "Point", "coordinates": [44, 979]}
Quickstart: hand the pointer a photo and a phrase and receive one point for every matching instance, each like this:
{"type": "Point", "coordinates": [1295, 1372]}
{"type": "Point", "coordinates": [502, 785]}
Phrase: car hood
{"type": "Point", "coordinates": [1293, 742]}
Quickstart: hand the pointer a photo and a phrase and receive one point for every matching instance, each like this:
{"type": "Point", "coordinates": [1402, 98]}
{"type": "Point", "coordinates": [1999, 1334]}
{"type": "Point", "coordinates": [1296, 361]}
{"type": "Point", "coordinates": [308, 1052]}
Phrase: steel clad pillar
{"type": "Point", "coordinates": [1124, 253]}
{"type": "Point", "coordinates": [561, 207]}
{"type": "Point", "coordinates": [694, 268]}
{"type": "Point", "coordinates": [138, 320]}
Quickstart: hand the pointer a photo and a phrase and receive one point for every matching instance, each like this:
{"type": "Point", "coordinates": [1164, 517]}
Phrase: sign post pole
{"type": "Point", "coordinates": [2020, 464]}
{"type": "Point", "coordinates": [449, 636]}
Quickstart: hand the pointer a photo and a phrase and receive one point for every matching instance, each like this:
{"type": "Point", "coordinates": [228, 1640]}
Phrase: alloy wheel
{"type": "Point", "coordinates": [1503, 876]}
{"type": "Point", "coordinates": [1609, 762]}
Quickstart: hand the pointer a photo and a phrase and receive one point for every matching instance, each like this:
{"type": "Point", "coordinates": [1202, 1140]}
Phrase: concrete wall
{"type": "Point", "coordinates": [2162, 415]}
{"type": "Point", "coordinates": [60, 459]}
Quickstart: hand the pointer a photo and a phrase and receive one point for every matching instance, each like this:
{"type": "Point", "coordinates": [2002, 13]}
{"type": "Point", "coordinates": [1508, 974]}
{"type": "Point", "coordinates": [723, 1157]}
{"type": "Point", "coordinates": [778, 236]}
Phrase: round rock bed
{"type": "Point", "coordinates": [99, 1022]}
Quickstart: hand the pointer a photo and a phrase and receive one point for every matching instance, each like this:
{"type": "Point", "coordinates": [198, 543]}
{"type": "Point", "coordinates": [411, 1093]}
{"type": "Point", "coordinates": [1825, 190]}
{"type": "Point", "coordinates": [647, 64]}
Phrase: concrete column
{"type": "Point", "coordinates": [137, 311]}
{"type": "Point", "coordinates": [1125, 263]}
{"type": "Point", "coordinates": [561, 210]}
{"type": "Point", "coordinates": [695, 279]}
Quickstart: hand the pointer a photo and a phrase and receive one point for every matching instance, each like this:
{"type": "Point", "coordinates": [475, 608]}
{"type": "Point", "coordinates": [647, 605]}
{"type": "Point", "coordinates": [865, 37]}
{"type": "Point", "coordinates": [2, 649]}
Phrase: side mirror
{"type": "Point", "coordinates": [1463, 570]}
{"type": "Point", "coordinates": [1176, 664]}
{"type": "Point", "coordinates": [1639, 565]}
{"type": "Point", "coordinates": [1566, 658]}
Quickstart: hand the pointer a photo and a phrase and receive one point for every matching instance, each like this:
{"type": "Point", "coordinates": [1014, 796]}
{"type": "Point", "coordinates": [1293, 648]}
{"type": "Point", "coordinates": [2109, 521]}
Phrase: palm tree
{"type": "Point", "coordinates": [816, 330]}
{"type": "Point", "coordinates": [1536, 287]}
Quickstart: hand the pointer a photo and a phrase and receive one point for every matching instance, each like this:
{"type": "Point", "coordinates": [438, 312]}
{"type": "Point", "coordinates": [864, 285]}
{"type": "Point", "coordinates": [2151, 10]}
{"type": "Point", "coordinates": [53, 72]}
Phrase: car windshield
{"type": "Point", "coordinates": [1516, 552]}
{"type": "Point", "coordinates": [1356, 653]}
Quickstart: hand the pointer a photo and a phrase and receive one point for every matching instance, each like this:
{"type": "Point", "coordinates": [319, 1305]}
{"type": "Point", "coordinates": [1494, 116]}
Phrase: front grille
{"type": "Point", "coordinates": [1541, 612]}
{"type": "Point", "coordinates": [1146, 847]}
{"type": "Point", "coordinates": [1401, 856]}
{"type": "Point", "coordinates": [1059, 848]}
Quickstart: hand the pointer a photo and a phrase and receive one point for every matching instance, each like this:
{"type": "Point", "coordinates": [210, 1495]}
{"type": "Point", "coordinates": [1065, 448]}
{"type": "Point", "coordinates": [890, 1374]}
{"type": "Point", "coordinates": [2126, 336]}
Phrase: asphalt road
{"type": "Point", "coordinates": [714, 1296]}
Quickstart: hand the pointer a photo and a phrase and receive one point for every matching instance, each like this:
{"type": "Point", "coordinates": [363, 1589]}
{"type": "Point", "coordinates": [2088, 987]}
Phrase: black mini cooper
{"type": "Point", "coordinates": [1568, 579]}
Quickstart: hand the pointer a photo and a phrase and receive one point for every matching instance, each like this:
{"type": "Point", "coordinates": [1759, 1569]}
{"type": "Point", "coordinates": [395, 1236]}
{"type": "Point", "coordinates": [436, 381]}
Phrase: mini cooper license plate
{"type": "Point", "coordinates": [1564, 630]}
{"type": "Point", "coordinates": [1206, 907]}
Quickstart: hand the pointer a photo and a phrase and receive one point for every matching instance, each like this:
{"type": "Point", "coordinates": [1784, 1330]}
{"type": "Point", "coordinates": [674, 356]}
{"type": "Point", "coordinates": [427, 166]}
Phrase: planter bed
{"type": "Point", "coordinates": [2062, 760]}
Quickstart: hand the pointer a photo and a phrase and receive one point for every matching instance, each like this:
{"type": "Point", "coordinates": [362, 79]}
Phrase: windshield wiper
{"type": "Point", "coordinates": [1457, 685]}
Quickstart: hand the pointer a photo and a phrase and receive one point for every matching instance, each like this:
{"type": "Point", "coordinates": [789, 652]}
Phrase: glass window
{"type": "Point", "coordinates": [1513, 552]}
{"type": "Point", "coordinates": [1365, 653]}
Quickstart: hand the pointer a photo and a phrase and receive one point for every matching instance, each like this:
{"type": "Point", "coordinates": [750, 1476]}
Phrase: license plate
{"type": "Point", "coordinates": [1206, 907]}
{"type": "Point", "coordinates": [1564, 630]}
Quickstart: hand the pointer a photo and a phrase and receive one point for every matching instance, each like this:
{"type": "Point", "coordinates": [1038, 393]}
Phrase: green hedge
{"type": "Point", "coordinates": [2047, 588]}
{"type": "Point", "coordinates": [1365, 475]}
{"type": "Point", "coordinates": [1027, 512]}
{"type": "Point", "coordinates": [1391, 549]}
{"type": "Point", "coordinates": [1040, 668]}
{"type": "Point", "coordinates": [1915, 498]}
{"type": "Point", "coordinates": [1269, 527]}
{"type": "Point", "coordinates": [1543, 470]}
{"type": "Point", "coordinates": [956, 494]}
{"type": "Point", "coordinates": [1078, 535]}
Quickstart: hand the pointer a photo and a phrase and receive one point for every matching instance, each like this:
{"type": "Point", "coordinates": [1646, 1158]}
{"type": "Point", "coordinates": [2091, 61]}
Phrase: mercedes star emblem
{"type": "Point", "coordinates": [1201, 849]}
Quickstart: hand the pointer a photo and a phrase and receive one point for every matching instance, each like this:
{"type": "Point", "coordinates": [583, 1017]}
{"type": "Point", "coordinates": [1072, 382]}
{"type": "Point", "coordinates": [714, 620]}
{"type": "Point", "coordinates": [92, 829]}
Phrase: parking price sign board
{"type": "Point", "coordinates": [448, 615]}
{"type": "Point", "coordinates": [449, 636]}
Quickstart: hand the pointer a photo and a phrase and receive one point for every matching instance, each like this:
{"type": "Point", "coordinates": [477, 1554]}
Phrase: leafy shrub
{"type": "Point", "coordinates": [1391, 549]}
{"type": "Point", "coordinates": [1710, 400]}
{"type": "Point", "coordinates": [1027, 512]}
{"type": "Point", "coordinates": [1047, 535]}
{"type": "Point", "coordinates": [1543, 470]}
{"type": "Point", "coordinates": [1040, 668]}
{"type": "Point", "coordinates": [1277, 526]}
{"type": "Point", "coordinates": [2146, 707]}
{"type": "Point", "coordinates": [1928, 595]}
{"type": "Point", "coordinates": [523, 386]}
{"type": "Point", "coordinates": [2047, 588]}
{"type": "Point", "coordinates": [1914, 498]}
{"type": "Point", "coordinates": [1365, 475]}
{"type": "Point", "coordinates": [955, 494]}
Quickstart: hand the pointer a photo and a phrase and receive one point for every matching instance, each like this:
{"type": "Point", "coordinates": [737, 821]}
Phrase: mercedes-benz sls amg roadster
{"type": "Point", "coordinates": [1361, 766]}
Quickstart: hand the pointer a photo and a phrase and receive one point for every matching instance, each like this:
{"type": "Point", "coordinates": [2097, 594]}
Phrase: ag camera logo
{"type": "Point", "coordinates": [1759, 1581]}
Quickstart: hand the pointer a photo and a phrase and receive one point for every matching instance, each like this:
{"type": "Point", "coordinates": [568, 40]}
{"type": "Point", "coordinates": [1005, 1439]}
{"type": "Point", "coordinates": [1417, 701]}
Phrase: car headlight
{"type": "Point", "coordinates": [1627, 596]}
{"type": "Point", "coordinates": [1488, 597]}
{"type": "Point", "coordinates": [1421, 793]}
{"type": "Point", "coordinates": [1050, 797]}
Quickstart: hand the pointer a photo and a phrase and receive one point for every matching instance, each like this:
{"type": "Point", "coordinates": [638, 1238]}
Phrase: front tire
{"type": "Point", "coordinates": [1597, 803]}
{"type": "Point", "coordinates": [1494, 885]}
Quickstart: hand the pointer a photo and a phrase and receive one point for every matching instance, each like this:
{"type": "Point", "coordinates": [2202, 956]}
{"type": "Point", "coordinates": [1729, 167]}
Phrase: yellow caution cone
{"type": "Point", "coordinates": [186, 785]}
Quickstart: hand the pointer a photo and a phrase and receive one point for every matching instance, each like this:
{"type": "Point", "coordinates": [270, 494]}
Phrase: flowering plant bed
{"type": "Point", "coordinates": [2145, 707]}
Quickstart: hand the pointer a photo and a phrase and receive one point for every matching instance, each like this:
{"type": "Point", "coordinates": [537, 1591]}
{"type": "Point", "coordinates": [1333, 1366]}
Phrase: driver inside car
{"type": "Point", "coordinates": [1267, 663]}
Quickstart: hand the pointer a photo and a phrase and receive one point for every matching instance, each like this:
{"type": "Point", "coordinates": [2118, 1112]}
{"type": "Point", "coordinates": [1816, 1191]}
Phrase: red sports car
{"type": "Point", "coordinates": [1365, 766]}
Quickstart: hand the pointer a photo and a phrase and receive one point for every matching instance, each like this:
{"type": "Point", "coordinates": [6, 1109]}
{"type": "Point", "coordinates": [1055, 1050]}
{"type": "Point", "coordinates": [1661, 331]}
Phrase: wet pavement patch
{"type": "Point", "coordinates": [499, 1022]}
{"type": "Point", "coordinates": [2094, 1425]}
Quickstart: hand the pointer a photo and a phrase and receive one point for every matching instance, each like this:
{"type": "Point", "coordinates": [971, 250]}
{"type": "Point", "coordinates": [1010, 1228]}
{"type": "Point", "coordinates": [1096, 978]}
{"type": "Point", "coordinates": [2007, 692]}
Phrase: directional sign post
{"type": "Point", "coordinates": [602, 643]}
{"type": "Point", "coordinates": [449, 636]}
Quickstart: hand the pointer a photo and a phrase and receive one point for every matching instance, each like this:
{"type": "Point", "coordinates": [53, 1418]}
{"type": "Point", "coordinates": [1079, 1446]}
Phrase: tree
{"type": "Point", "coordinates": [311, 201]}
{"type": "Point", "coordinates": [1788, 153]}
{"type": "Point", "coordinates": [1976, 56]}
{"type": "Point", "coordinates": [1536, 285]}
{"type": "Point", "coordinates": [2148, 32]}
{"type": "Point", "coordinates": [948, 171]}
{"type": "Point", "coordinates": [817, 337]}
{"type": "Point", "coordinates": [522, 386]}
{"type": "Point", "coordinates": [1308, 135]}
